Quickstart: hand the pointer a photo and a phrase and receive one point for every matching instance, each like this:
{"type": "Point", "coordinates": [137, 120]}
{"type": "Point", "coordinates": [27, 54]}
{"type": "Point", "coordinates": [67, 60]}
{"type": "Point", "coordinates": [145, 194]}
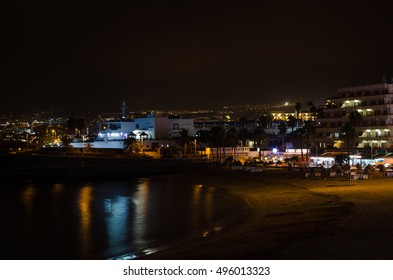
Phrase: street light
{"type": "Point", "coordinates": [54, 133]}
{"type": "Point", "coordinates": [83, 144]}
{"type": "Point", "coordinates": [195, 146]}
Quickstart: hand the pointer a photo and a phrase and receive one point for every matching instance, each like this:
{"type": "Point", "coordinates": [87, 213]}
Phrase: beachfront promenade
{"type": "Point", "coordinates": [293, 217]}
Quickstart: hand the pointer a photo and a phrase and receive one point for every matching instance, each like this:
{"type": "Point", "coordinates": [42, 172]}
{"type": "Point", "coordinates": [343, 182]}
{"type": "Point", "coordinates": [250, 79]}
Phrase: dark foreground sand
{"type": "Point", "coordinates": [290, 217]}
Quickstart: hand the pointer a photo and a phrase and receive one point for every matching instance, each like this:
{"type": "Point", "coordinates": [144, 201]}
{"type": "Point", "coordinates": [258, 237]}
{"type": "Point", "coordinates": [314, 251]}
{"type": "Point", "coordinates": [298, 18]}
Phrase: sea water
{"type": "Point", "coordinates": [107, 219]}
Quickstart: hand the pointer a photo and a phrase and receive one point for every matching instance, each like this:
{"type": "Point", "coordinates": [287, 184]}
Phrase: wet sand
{"type": "Point", "coordinates": [291, 217]}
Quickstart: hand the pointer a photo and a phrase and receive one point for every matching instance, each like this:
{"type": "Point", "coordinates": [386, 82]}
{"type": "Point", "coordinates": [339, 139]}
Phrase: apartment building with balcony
{"type": "Point", "coordinates": [374, 103]}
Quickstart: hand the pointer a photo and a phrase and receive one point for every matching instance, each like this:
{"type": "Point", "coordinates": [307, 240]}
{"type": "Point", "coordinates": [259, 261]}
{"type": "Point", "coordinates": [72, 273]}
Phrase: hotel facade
{"type": "Point", "coordinates": [374, 103]}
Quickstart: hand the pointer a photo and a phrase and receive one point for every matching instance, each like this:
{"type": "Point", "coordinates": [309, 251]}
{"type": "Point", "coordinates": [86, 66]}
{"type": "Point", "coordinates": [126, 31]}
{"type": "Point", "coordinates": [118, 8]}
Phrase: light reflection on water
{"type": "Point", "coordinates": [85, 200]}
{"type": "Point", "coordinates": [28, 198]}
{"type": "Point", "coordinates": [141, 211]}
{"type": "Point", "coordinates": [105, 219]}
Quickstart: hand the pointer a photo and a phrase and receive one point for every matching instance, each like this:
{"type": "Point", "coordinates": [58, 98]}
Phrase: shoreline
{"type": "Point", "coordinates": [14, 167]}
{"type": "Point", "coordinates": [291, 217]}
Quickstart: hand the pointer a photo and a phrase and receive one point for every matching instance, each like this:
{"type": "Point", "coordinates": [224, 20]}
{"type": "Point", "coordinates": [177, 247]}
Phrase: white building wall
{"type": "Point", "coordinates": [176, 125]}
{"type": "Point", "coordinates": [116, 130]}
{"type": "Point", "coordinates": [147, 125]}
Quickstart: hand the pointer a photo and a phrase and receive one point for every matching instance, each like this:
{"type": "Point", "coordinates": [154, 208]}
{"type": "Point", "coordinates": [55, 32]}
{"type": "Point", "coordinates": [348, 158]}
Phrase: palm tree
{"type": "Point", "coordinates": [217, 138]}
{"type": "Point", "coordinates": [185, 140]}
{"type": "Point", "coordinates": [66, 142]}
{"type": "Point", "coordinates": [341, 158]}
{"type": "Point", "coordinates": [309, 133]}
{"type": "Point", "coordinates": [313, 109]}
{"type": "Point", "coordinates": [282, 130]}
{"type": "Point", "coordinates": [129, 143]}
{"type": "Point", "coordinates": [297, 137]}
{"type": "Point", "coordinates": [298, 105]}
{"type": "Point", "coordinates": [292, 122]}
{"type": "Point", "coordinates": [355, 118]}
{"type": "Point", "coordinates": [348, 132]}
{"type": "Point", "coordinates": [232, 138]}
{"type": "Point", "coordinates": [264, 120]}
{"type": "Point", "coordinates": [243, 134]}
{"type": "Point", "coordinates": [259, 136]}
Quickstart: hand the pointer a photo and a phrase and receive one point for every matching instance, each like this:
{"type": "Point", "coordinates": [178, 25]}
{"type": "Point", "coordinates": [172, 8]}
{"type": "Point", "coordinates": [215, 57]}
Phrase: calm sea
{"type": "Point", "coordinates": [105, 220]}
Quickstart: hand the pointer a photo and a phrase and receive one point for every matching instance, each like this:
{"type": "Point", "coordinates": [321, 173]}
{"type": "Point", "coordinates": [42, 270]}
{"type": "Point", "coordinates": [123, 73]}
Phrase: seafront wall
{"type": "Point", "coordinates": [30, 166]}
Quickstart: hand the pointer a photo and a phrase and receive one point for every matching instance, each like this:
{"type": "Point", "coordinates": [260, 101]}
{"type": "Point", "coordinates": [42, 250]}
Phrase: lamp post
{"type": "Point", "coordinates": [195, 147]}
{"type": "Point", "coordinates": [83, 144]}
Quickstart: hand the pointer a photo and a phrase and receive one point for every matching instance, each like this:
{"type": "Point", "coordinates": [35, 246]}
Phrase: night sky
{"type": "Point", "coordinates": [201, 55]}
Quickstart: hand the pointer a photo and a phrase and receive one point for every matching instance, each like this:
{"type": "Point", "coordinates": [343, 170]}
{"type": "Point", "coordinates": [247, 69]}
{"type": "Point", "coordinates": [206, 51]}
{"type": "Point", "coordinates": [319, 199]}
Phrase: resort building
{"type": "Point", "coordinates": [374, 103]}
{"type": "Point", "coordinates": [113, 133]}
{"type": "Point", "coordinates": [286, 115]}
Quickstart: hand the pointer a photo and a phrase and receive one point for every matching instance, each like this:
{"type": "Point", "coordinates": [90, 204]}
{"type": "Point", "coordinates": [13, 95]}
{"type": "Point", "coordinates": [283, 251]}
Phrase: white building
{"type": "Point", "coordinates": [373, 102]}
{"type": "Point", "coordinates": [112, 133]}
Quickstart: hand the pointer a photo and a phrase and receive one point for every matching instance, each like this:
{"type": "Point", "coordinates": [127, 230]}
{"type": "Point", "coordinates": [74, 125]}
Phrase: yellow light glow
{"type": "Point", "coordinates": [85, 200]}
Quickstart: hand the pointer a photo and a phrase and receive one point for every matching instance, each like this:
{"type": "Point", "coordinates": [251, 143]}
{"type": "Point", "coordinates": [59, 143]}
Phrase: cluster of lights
{"type": "Point", "coordinates": [113, 135]}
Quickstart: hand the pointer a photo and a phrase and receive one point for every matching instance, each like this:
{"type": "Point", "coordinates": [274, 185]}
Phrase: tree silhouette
{"type": "Point", "coordinates": [185, 140]}
{"type": "Point", "coordinates": [313, 109]}
{"type": "Point", "coordinates": [217, 138]}
{"type": "Point", "coordinates": [264, 120]}
{"type": "Point", "coordinates": [297, 137]}
{"type": "Point", "coordinates": [259, 137]}
{"type": "Point", "coordinates": [129, 144]}
{"type": "Point", "coordinates": [309, 130]}
{"type": "Point", "coordinates": [282, 131]}
{"type": "Point", "coordinates": [232, 138]}
{"type": "Point", "coordinates": [348, 131]}
{"type": "Point", "coordinates": [298, 105]}
{"type": "Point", "coordinates": [292, 122]}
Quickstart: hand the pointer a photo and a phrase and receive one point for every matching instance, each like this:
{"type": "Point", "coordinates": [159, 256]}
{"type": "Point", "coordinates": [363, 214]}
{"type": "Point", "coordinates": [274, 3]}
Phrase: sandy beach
{"type": "Point", "coordinates": [291, 217]}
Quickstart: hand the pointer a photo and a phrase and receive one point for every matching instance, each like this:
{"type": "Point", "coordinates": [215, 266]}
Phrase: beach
{"type": "Point", "coordinates": [290, 217]}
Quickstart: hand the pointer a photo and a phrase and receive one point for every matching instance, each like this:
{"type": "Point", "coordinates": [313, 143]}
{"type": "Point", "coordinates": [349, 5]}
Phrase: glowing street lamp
{"type": "Point", "coordinates": [195, 146]}
{"type": "Point", "coordinates": [83, 144]}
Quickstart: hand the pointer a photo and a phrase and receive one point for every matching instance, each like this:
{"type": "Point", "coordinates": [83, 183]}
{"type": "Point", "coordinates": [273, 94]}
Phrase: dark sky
{"type": "Point", "coordinates": [91, 57]}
